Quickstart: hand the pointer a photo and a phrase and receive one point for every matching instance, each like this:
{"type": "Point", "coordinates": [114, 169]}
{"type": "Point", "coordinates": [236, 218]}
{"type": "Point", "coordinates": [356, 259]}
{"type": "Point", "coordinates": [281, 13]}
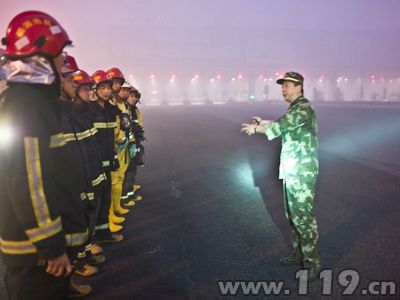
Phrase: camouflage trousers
{"type": "Point", "coordinates": [299, 199]}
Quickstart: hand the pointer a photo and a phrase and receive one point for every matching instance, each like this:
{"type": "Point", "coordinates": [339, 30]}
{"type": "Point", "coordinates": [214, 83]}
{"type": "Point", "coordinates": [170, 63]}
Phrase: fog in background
{"type": "Point", "coordinates": [176, 51]}
{"type": "Point", "coordinates": [353, 37]}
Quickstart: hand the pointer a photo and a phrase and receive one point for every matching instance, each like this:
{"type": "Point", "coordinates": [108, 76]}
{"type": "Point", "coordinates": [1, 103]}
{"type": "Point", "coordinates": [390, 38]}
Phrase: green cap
{"type": "Point", "coordinates": [291, 76]}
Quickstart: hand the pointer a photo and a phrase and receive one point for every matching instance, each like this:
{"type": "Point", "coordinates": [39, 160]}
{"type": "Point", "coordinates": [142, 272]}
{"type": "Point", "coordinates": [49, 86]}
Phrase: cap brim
{"type": "Point", "coordinates": [282, 80]}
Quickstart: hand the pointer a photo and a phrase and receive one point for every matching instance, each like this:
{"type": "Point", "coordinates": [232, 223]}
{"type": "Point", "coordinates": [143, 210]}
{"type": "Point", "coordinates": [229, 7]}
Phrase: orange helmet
{"type": "Point", "coordinates": [100, 76]}
{"type": "Point", "coordinates": [81, 78]}
{"type": "Point", "coordinates": [69, 66]}
{"type": "Point", "coordinates": [34, 33]}
{"type": "Point", "coordinates": [115, 73]}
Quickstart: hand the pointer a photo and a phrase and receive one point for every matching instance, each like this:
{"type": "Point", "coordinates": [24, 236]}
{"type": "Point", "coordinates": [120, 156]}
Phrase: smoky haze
{"type": "Point", "coordinates": [356, 37]}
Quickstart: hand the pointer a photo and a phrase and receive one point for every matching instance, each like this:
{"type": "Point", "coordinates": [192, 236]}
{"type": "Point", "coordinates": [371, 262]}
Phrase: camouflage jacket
{"type": "Point", "coordinates": [298, 128]}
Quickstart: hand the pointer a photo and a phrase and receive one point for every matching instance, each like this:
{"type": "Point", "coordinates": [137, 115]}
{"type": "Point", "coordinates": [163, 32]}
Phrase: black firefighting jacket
{"type": "Point", "coordinates": [105, 121]}
{"type": "Point", "coordinates": [79, 133]}
{"type": "Point", "coordinates": [40, 207]}
{"type": "Point", "coordinates": [137, 124]}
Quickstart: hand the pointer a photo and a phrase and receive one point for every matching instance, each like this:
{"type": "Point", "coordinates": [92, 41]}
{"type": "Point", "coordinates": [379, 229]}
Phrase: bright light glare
{"type": "Point", "coordinates": [6, 135]}
{"type": "Point", "coordinates": [244, 174]}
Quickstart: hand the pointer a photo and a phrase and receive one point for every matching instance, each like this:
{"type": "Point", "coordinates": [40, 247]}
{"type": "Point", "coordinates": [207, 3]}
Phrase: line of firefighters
{"type": "Point", "coordinates": [68, 168]}
{"type": "Point", "coordinates": [103, 108]}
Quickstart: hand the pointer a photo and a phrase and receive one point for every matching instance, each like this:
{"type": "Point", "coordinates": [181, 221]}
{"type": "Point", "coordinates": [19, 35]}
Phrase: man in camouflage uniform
{"type": "Point", "coordinates": [298, 170]}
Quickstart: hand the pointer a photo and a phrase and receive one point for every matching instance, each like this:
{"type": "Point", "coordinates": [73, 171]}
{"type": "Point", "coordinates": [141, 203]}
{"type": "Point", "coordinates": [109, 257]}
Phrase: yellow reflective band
{"type": "Point", "coordinates": [106, 163]}
{"type": "Point", "coordinates": [100, 125]}
{"type": "Point", "coordinates": [78, 136]}
{"type": "Point", "coordinates": [99, 179]}
{"type": "Point", "coordinates": [76, 239]}
{"type": "Point", "coordinates": [83, 196]}
{"type": "Point", "coordinates": [88, 247]}
{"type": "Point", "coordinates": [102, 227]}
{"type": "Point", "coordinates": [93, 131]}
{"type": "Point", "coordinates": [35, 181]}
{"type": "Point", "coordinates": [57, 140]}
{"type": "Point", "coordinates": [90, 196]}
{"type": "Point", "coordinates": [105, 125]}
{"type": "Point", "coordinates": [45, 231]}
{"type": "Point", "coordinates": [83, 135]}
{"type": "Point", "coordinates": [69, 137]}
{"type": "Point", "coordinates": [17, 247]}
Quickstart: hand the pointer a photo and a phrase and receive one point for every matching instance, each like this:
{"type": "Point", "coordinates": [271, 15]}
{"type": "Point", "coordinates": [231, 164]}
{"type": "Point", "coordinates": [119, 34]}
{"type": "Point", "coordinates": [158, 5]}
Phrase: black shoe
{"type": "Point", "coordinates": [94, 260]}
{"type": "Point", "coordinates": [289, 261]}
{"type": "Point", "coordinates": [86, 271]}
{"type": "Point", "coordinates": [110, 239]}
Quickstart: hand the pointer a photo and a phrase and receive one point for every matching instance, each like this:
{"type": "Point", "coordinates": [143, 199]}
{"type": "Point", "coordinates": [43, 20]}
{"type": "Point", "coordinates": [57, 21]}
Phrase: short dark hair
{"type": "Point", "coordinates": [299, 83]}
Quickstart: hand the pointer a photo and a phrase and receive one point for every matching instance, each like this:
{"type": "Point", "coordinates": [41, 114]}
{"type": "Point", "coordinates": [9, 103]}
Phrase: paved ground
{"type": "Point", "coordinates": [213, 211]}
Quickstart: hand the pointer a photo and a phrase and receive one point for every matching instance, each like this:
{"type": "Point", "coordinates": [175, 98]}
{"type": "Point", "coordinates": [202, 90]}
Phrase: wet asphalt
{"type": "Point", "coordinates": [213, 208]}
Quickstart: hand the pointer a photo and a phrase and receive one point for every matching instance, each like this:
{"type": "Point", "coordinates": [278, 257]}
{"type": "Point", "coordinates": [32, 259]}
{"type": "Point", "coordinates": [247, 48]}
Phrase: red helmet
{"type": "Point", "coordinates": [81, 78]}
{"type": "Point", "coordinates": [100, 76]}
{"type": "Point", "coordinates": [115, 73]}
{"type": "Point", "coordinates": [69, 66]}
{"type": "Point", "coordinates": [34, 32]}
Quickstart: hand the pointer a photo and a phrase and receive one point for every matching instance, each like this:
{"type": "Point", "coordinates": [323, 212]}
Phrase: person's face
{"type": "Point", "coordinates": [68, 85]}
{"type": "Point", "coordinates": [59, 62]}
{"type": "Point", "coordinates": [290, 92]}
{"type": "Point", "coordinates": [124, 93]}
{"type": "Point", "coordinates": [92, 95]}
{"type": "Point", "coordinates": [117, 83]}
{"type": "Point", "coordinates": [84, 92]}
{"type": "Point", "coordinates": [132, 100]}
{"type": "Point", "coordinates": [103, 91]}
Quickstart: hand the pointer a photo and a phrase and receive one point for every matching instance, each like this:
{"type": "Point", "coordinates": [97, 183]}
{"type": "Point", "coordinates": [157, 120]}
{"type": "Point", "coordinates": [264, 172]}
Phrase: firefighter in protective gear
{"type": "Point", "coordinates": [298, 170]}
{"type": "Point", "coordinates": [121, 140]}
{"type": "Point", "coordinates": [38, 192]}
{"type": "Point", "coordinates": [79, 134]}
{"type": "Point", "coordinates": [103, 115]}
{"type": "Point", "coordinates": [97, 179]}
{"type": "Point", "coordinates": [135, 148]}
{"type": "Point", "coordinates": [117, 78]}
